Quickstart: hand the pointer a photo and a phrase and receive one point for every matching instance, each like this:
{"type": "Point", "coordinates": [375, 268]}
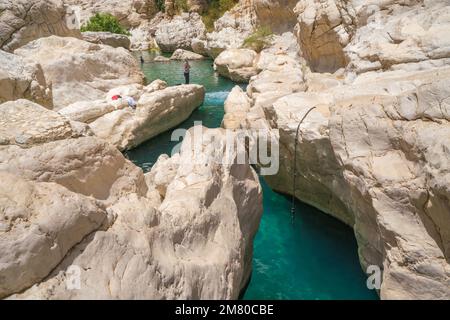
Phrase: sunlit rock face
{"type": "Point", "coordinates": [177, 32]}
{"type": "Point", "coordinates": [79, 70]}
{"type": "Point", "coordinates": [22, 21]}
{"type": "Point", "coordinates": [156, 112]}
{"type": "Point", "coordinates": [130, 13]}
{"type": "Point", "coordinates": [108, 38]}
{"type": "Point", "coordinates": [183, 231]}
{"type": "Point", "coordinates": [20, 79]}
{"type": "Point", "coordinates": [373, 151]}
{"type": "Point", "coordinates": [238, 65]}
{"type": "Point", "coordinates": [373, 36]}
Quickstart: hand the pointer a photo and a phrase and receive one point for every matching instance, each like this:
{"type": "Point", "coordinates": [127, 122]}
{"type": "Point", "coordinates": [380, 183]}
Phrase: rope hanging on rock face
{"type": "Point", "coordinates": [295, 160]}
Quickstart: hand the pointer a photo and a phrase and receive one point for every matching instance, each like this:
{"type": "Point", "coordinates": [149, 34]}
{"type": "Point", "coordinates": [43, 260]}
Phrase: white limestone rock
{"type": "Point", "coordinates": [161, 59]}
{"type": "Point", "coordinates": [20, 79]}
{"type": "Point", "coordinates": [79, 70]}
{"type": "Point", "coordinates": [237, 64]}
{"type": "Point", "coordinates": [178, 32]}
{"type": "Point", "coordinates": [372, 154]}
{"type": "Point", "coordinates": [108, 38]}
{"type": "Point", "coordinates": [22, 21]}
{"type": "Point", "coordinates": [80, 204]}
{"type": "Point", "coordinates": [181, 54]}
{"type": "Point", "coordinates": [156, 113]}
{"type": "Point", "coordinates": [236, 108]}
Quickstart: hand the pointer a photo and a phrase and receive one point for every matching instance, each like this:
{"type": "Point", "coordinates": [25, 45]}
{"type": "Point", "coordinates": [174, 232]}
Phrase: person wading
{"type": "Point", "coordinates": [187, 70]}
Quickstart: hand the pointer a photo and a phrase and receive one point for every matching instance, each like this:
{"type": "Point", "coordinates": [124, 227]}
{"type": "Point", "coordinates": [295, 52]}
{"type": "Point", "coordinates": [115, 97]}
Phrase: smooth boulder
{"type": "Point", "coordinates": [238, 65]}
{"type": "Point", "coordinates": [181, 54]}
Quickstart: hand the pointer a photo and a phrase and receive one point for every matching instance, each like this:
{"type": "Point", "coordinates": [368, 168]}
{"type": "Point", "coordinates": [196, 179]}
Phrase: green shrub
{"type": "Point", "coordinates": [216, 9]}
{"type": "Point", "coordinates": [259, 39]}
{"type": "Point", "coordinates": [161, 5]}
{"type": "Point", "coordinates": [104, 22]}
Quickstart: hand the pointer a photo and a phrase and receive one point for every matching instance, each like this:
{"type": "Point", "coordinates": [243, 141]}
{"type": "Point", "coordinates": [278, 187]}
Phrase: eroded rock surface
{"type": "Point", "coordinates": [79, 70]}
{"type": "Point", "coordinates": [130, 13]}
{"type": "Point", "coordinates": [181, 54]}
{"type": "Point", "coordinates": [71, 202]}
{"type": "Point", "coordinates": [159, 108]}
{"type": "Point", "coordinates": [108, 38]}
{"type": "Point", "coordinates": [23, 80]}
{"type": "Point", "coordinates": [374, 36]}
{"type": "Point", "coordinates": [22, 21]}
{"type": "Point", "coordinates": [238, 65]}
{"type": "Point", "coordinates": [373, 149]}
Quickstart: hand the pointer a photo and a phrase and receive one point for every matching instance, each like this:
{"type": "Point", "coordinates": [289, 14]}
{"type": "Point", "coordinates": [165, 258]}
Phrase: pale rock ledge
{"type": "Point", "coordinates": [158, 109]}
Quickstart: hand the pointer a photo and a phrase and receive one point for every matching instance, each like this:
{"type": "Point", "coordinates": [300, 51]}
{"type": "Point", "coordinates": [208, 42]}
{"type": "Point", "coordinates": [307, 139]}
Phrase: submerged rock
{"type": "Point", "coordinates": [22, 21]}
{"type": "Point", "coordinates": [77, 202]}
{"type": "Point", "coordinates": [79, 70]}
{"type": "Point", "coordinates": [108, 38]}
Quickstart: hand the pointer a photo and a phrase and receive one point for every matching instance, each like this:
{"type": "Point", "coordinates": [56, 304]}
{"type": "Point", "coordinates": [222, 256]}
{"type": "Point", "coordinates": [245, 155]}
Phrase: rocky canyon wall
{"type": "Point", "coordinates": [374, 151]}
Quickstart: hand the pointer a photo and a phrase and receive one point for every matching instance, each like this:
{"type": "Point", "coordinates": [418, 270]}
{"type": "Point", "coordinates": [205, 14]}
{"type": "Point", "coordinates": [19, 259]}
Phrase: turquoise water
{"type": "Point", "coordinates": [315, 257]}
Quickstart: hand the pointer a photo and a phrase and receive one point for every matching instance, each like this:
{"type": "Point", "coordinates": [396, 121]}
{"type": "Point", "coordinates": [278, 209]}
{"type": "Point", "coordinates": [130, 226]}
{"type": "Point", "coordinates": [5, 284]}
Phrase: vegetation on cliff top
{"type": "Point", "coordinates": [161, 5]}
{"type": "Point", "coordinates": [104, 22]}
{"type": "Point", "coordinates": [216, 9]}
{"type": "Point", "coordinates": [260, 39]}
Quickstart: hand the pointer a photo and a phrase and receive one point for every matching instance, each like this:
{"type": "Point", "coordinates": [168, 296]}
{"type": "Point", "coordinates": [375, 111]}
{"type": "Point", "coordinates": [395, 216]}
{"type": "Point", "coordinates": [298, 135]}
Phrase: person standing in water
{"type": "Point", "coordinates": [142, 60]}
{"type": "Point", "coordinates": [187, 70]}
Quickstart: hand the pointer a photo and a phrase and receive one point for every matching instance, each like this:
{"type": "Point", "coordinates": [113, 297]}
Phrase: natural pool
{"type": "Point", "coordinates": [313, 258]}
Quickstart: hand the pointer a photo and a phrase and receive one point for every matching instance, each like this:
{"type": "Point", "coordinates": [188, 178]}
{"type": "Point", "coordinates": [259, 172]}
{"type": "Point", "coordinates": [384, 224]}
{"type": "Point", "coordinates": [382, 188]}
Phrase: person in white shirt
{"type": "Point", "coordinates": [131, 102]}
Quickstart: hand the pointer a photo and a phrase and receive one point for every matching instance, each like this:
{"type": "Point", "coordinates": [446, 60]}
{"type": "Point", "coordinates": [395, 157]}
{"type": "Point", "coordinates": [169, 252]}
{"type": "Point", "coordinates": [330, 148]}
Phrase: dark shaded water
{"type": "Point", "coordinates": [313, 258]}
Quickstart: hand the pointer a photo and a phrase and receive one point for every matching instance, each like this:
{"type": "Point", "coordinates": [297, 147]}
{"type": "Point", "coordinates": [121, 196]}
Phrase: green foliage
{"type": "Point", "coordinates": [215, 10]}
{"type": "Point", "coordinates": [181, 5]}
{"type": "Point", "coordinates": [259, 39]}
{"type": "Point", "coordinates": [104, 22]}
{"type": "Point", "coordinates": [161, 5]}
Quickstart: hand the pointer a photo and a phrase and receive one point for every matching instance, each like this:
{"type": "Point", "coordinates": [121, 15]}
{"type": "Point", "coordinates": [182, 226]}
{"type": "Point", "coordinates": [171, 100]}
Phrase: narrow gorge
{"type": "Point", "coordinates": [96, 204]}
